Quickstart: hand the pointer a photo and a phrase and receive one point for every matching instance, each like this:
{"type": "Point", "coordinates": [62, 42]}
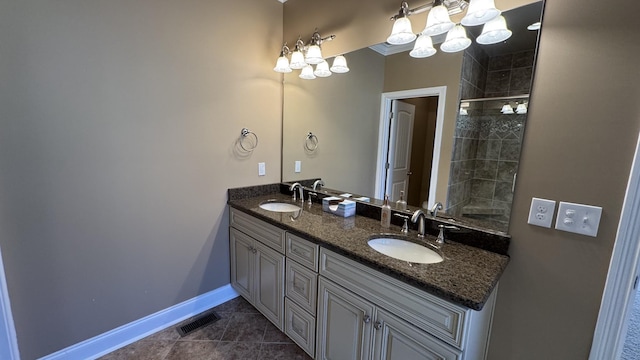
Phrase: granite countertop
{"type": "Point", "coordinates": [465, 277]}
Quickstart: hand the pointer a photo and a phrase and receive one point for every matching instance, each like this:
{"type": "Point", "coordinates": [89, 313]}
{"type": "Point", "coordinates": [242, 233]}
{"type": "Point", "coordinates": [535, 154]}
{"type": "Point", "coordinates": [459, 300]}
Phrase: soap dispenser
{"type": "Point", "coordinates": [401, 204]}
{"type": "Point", "coordinates": [385, 213]}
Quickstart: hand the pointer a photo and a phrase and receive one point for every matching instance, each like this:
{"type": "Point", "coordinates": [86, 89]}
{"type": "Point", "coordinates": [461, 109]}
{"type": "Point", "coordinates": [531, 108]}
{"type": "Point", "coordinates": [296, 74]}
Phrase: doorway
{"type": "Point", "coordinates": [425, 149]}
{"type": "Point", "coordinates": [621, 286]}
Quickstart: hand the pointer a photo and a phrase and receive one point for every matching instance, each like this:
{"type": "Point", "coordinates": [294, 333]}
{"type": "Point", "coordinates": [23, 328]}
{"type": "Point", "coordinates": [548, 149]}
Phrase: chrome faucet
{"type": "Point", "coordinates": [293, 188]}
{"type": "Point", "coordinates": [419, 217]}
{"type": "Point", "coordinates": [434, 210]}
{"type": "Point", "coordinates": [316, 183]}
{"type": "Point", "coordinates": [440, 239]}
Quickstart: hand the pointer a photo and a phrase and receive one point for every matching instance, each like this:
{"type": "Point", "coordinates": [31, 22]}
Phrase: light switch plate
{"type": "Point", "coordinates": [262, 169]}
{"type": "Point", "coordinates": [578, 218]}
{"type": "Point", "coordinates": [297, 166]}
{"type": "Point", "coordinates": [541, 212]}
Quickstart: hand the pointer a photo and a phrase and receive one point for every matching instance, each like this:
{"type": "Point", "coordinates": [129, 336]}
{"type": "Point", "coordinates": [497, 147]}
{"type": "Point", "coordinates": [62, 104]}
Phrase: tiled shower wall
{"type": "Point", "coordinates": [487, 143]}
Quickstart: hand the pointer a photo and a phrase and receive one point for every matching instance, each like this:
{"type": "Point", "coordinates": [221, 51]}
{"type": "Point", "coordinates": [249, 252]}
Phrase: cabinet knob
{"type": "Point", "coordinates": [366, 319]}
{"type": "Point", "coordinates": [377, 325]}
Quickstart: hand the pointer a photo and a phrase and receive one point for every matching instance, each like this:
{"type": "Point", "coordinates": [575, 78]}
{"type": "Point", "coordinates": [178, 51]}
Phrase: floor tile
{"type": "Point", "coordinates": [282, 352]}
{"type": "Point", "coordinates": [192, 350]}
{"type": "Point", "coordinates": [227, 350]}
{"type": "Point", "coordinates": [142, 350]}
{"type": "Point", "coordinates": [246, 327]}
{"type": "Point", "coordinates": [238, 304]}
{"type": "Point", "coordinates": [273, 335]}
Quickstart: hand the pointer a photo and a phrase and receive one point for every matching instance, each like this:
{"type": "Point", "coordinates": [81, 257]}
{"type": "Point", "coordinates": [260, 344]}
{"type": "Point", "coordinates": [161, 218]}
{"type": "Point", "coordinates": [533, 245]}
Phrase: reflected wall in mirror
{"type": "Point", "coordinates": [467, 162]}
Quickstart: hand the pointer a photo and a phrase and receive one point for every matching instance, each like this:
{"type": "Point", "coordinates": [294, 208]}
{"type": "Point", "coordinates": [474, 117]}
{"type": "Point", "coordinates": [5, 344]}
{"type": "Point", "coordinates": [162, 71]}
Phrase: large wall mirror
{"type": "Point", "coordinates": [451, 138]}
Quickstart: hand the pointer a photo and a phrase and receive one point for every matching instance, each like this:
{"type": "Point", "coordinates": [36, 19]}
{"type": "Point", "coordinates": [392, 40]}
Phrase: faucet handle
{"type": "Point", "coordinates": [405, 227]}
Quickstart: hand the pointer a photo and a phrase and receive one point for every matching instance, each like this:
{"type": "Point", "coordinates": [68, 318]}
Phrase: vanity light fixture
{"type": "Point", "coordinates": [521, 109]}
{"type": "Point", "coordinates": [535, 26]}
{"type": "Point", "coordinates": [479, 12]}
{"type": "Point", "coordinates": [304, 56]}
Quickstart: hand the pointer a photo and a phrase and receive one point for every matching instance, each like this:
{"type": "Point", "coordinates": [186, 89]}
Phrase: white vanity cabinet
{"type": "Point", "coordinates": [257, 270]}
{"type": "Point", "coordinates": [301, 292]}
{"type": "Point", "coordinates": [364, 314]}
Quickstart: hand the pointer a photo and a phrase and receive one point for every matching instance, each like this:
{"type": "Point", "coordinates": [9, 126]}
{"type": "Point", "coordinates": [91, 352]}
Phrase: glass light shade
{"type": "Point", "coordinates": [457, 40]}
{"type": "Point", "coordinates": [282, 65]}
{"type": "Point", "coordinates": [401, 33]}
{"type": "Point", "coordinates": [307, 73]}
{"type": "Point", "coordinates": [339, 65]}
{"type": "Point", "coordinates": [479, 12]}
{"type": "Point", "coordinates": [521, 109]}
{"type": "Point", "coordinates": [322, 69]}
{"type": "Point", "coordinates": [535, 26]}
{"type": "Point", "coordinates": [314, 55]}
{"type": "Point", "coordinates": [423, 47]}
{"type": "Point", "coordinates": [494, 31]}
{"type": "Point", "coordinates": [463, 111]}
{"type": "Point", "coordinates": [438, 21]}
{"type": "Point", "coordinates": [507, 109]}
{"type": "Point", "coordinates": [297, 60]}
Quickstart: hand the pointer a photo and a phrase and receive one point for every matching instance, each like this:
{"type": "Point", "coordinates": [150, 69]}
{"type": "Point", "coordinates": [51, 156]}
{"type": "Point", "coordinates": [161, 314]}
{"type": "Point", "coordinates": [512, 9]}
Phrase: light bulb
{"type": "Point", "coordinates": [322, 69]}
{"type": "Point", "coordinates": [438, 21]}
{"type": "Point", "coordinates": [282, 65]}
{"type": "Point", "coordinates": [339, 65]}
{"type": "Point", "coordinates": [307, 73]}
{"type": "Point", "coordinates": [401, 33]}
{"type": "Point", "coordinates": [479, 12]}
{"type": "Point", "coordinates": [457, 40]}
{"type": "Point", "coordinates": [423, 47]}
{"type": "Point", "coordinates": [494, 31]}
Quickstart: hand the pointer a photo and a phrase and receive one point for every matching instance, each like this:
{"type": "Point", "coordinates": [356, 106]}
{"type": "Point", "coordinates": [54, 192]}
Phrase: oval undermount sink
{"type": "Point", "coordinates": [405, 250]}
{"type": "Point", "coordinates": [278, 206]}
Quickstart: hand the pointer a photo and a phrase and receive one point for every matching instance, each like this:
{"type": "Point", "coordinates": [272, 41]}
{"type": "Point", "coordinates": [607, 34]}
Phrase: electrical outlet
{"type": "Point", "coordinates": [578, 218]}
{"type": "Point", "coordinates": [262, 171]}
{"type": "Point", "coordinates": [541, 212]}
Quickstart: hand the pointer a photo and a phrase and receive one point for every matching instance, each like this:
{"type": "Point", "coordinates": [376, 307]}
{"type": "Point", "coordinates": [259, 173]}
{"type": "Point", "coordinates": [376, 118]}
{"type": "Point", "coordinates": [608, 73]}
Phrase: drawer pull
{"type": "Point", "coordinates": [366, 319]}
{"type": "Point", "coordinates": [377, 325]}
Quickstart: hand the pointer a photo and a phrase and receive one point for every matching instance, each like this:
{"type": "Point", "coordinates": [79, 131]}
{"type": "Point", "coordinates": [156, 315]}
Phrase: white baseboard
{"type": "Point", "coordinates": [126, 334]}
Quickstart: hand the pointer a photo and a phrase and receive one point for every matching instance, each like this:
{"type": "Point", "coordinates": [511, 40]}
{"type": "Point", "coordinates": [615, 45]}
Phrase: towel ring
{"type": "Point", "coordinates": [243, 135]}
{"type": "Point", "coordinates": [311, 142]}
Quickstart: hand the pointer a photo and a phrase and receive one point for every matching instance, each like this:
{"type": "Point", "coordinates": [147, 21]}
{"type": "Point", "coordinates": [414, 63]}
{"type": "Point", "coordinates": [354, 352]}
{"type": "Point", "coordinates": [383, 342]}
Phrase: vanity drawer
{"type": "Point", "coordinates": [302, 251]}
{"type": "Point", "coordinates": [265, 233]}
{"type": "Point", "coordinates": [302, 286]}
{"type": "Point", "coordinates": [300, 326]}
{"type": "Point", "coordinates": [436, 316]}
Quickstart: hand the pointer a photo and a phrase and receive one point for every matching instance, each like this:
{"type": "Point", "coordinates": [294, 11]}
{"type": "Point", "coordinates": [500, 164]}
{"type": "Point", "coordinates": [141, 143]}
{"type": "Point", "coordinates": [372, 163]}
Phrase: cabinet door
{"type": "Point", "coordinates": [269, 296]}
{"type": "Point", "coordinates": [242, 263]}
{"type": "Point", "coordinates": [344, 324]}
{"type": "Point", "coordinates": [395, 339]}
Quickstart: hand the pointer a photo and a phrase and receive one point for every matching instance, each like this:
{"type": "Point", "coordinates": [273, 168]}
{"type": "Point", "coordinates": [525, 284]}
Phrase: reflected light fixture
{"type": "Point", "coordinates": [304, 56]}
{"type": "Point", "coordinates": [494, 31]}
{"type": "Point", "coordinates": [507, 109]}
{"type": "Point", "coordinates": [479, 12]}
{"type": "Point", "coordinates": [535, 26]}
{"type": "Point", "coordinates": [521, 109]}
{"type": "Point", "coordinates": [339, 65]}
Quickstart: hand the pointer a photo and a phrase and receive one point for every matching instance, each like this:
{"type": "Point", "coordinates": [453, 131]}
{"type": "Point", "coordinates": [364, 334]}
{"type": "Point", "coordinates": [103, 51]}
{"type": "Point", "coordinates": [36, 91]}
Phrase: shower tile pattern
{"type": "Point", "coordinates": [487, 143]}
{"type": "Point", "coordinates": [241, 333]}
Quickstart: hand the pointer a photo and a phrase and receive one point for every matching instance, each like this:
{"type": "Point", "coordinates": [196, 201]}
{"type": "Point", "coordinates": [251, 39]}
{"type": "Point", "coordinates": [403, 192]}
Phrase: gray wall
{"type": "Point", "coordinates": [118, 122]}
{"type": "Point", "coordinates": [582, 128]}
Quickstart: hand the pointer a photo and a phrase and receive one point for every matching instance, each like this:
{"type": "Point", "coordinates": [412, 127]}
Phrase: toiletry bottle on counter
{"type": "Point", "coordinates": [401, 204]}
{"type": "Point", "coordinates": [385, 213]}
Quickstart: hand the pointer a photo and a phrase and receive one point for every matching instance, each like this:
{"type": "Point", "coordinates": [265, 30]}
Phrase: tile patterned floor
{"type": "Point", "coordinates": [242, 333]}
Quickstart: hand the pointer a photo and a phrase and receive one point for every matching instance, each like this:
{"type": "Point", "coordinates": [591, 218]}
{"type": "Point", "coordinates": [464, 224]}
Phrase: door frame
{"type": "Point", "coordinates": [611, 327]}
{"type": "Point", "coordinates": [383, 135]}
{"type": "Point", "coordinates": [8, 338]}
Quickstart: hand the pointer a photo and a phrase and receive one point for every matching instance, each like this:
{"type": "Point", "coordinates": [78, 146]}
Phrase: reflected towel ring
{"type": "Point", "coordinates": [243, 135]}
{"type": "Point", "coordinates": [311, 142]}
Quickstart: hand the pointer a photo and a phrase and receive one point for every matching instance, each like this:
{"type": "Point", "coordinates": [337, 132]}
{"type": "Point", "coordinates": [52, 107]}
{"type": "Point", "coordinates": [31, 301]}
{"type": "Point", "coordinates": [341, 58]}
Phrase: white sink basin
{"type": "Point", "coordinates": [405, 250]}
{"type": "Point", "coordinates": [279, 206]}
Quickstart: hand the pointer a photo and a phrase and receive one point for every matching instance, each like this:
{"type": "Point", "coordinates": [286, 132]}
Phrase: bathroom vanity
{"type": "Point", "coordinates": [313, 275]}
